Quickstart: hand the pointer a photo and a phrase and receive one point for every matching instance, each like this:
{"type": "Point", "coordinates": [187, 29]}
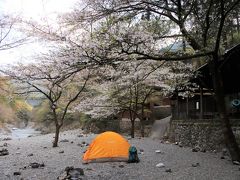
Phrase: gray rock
{"type": "Point", "coordinates": [224, 152]}
{"type": "Point", "coordinates": [36, 165]}
{"type": "Point", "coordinates": [195, 149]}
{"type": "Point", "coordinates": [7, 139]}
{"type": "Point", "coordinates": [64, 140]}
{"type": "Point", "coordinates": [203, 150]}
{"type": "Point", "coordinates": [4, 152]}
{"type": "Point", "coordinates": [160, 165]}
{"type": "Point", "coordinates": [236, 163]}
{"type": "Point", "coordinates": [76, 172]}
{"type": "Point", "coordinates": [195, 165]}
{"type": "Point", "coordinates": [168, 170]}
{"type": "Point", "coordinates": [71, 173]}
{"type": "Point", "coordinates": [17, 173]}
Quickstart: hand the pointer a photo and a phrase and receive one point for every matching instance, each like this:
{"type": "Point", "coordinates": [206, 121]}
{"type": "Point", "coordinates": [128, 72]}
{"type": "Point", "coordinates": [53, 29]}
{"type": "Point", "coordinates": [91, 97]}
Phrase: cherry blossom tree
{"type": "Point", "coordinates": [201, 23]}
{"type": "Point", "coordinates": [119, 31]}
{"type": "Point", "coordinates": [128, 87]}
{"type": "Point", "coordinates": [54, 80]}
{"type": "Point", "coordinates": [9, 38]}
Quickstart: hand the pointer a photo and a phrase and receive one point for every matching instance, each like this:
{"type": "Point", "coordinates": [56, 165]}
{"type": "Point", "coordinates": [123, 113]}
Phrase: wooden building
{"type": "Point", "coordinates": [202, 104]}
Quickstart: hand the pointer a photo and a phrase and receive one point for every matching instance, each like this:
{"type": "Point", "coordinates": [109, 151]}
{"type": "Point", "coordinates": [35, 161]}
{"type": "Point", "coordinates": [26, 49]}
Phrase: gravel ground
{"type": "Point", "coordinates": [38, 149]}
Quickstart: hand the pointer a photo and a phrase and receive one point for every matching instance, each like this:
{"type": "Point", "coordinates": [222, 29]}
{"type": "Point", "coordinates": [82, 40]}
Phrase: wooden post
{"type": "Point", "coordinates": [187, 103]}
{"type": "Point", "coordinates": [201, 103]}
{"type": "Point", "coordinates": [177, 104]}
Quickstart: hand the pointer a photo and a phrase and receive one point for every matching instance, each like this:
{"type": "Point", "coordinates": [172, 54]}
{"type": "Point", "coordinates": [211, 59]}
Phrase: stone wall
{"type": "Point", "coordinates": [206, 135]}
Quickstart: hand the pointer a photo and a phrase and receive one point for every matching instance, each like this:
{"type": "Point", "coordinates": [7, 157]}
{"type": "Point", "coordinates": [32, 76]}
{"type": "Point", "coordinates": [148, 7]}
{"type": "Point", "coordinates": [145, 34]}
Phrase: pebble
{"type": "Point", "coordinates": [17, 173]}
{"type": "Point", "coordinates": [4, 152]}
{"type": "Point", "coordinates": [64, 140]}
{"type": "Point", "coordinates": [71, 173]}
{"type": "Point", "coordinates": [36, 165]}
{"type": "Point", "coordinates": [168, 170]}
{"type": "Point", "coordinates": [160, 165]}
{"type": "Point", "coordinates": [236, 162]}
{"type": "Point", "coordinates": [7, 139]}
{"type": "Point", "coordinates": [195, 165]}
{"type": "Point", "coordinates": [224, 151]}
{"type": "Point", "coordinates": [203, 150]}
{"type": "Point", "coordinates": [196, 149]}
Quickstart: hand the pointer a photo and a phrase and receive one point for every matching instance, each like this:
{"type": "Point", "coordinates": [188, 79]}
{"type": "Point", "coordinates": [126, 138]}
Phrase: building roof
{"type": "Point", "coordinates": [229, 66]}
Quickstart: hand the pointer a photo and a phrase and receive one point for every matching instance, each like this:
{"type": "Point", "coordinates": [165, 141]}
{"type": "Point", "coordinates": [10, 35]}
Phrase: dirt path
{"type": "Point", "coordinates": [160, 127]}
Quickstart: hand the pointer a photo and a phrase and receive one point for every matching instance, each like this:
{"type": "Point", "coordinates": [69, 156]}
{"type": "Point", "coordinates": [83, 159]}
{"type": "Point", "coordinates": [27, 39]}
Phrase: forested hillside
{"type": "Point", "coordinates": [13, 109]}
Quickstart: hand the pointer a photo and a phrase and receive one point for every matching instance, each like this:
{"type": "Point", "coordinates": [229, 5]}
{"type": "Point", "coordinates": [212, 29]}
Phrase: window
{"type": "Point", "coordinates": [197, 105]}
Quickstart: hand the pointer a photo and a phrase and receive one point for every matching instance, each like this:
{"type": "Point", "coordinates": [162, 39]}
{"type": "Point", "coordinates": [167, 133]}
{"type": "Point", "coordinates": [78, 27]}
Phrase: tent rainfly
{"type": "Point", "coordinates": [107, 146]}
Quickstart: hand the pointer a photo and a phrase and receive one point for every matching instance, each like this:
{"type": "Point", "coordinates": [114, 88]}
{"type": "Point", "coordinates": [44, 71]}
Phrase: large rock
{"type": "Point", "coordinates": [71, 173]}
{"type": "Point", "coordinates": [4, 152]}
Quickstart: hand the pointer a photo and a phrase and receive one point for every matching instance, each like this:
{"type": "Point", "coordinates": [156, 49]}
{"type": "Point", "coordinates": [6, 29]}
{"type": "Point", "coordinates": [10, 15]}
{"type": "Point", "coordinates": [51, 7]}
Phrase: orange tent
{"type": "Point", "coordinates": [107, 146]}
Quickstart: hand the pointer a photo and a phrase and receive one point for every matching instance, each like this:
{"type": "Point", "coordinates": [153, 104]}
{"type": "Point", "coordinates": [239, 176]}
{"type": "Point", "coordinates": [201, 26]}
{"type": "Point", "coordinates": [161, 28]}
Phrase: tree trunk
{"type": "Point", "coordinates": [229, 137]}
{"type": "Point", "coordinates": [142, 128]}
{"type": "Point", "coordinates": [132, 119]}
{"type": "Point", "coordinates": [142, 122]}
{"type": "Point", "coordinates": [132, 128]}
{"type": "Point", "coordinates": [238, 24]}
{"type": "Point", "coordinates": [56, 138]}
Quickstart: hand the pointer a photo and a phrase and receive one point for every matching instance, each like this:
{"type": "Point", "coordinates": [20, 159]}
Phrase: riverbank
{"type": "Point", "coordinates": [182, 162]}
{"type": "Point", "coordinates": [10, 131]}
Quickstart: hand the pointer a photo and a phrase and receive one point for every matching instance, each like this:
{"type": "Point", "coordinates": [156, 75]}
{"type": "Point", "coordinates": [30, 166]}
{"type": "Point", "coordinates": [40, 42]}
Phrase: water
{"type": "Point", "coordinates": [24, 133]}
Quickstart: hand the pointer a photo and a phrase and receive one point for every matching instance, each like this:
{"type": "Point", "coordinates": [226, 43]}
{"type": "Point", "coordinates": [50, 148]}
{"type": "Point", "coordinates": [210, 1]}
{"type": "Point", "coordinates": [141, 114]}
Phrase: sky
{"type": "Point", "coordinates": [35, 10]}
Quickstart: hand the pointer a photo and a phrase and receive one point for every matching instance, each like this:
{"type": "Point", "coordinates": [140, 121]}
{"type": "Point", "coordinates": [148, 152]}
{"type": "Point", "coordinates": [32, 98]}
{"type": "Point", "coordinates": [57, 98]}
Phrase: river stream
{"type": "Point", "coordinates": [16, 133]}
